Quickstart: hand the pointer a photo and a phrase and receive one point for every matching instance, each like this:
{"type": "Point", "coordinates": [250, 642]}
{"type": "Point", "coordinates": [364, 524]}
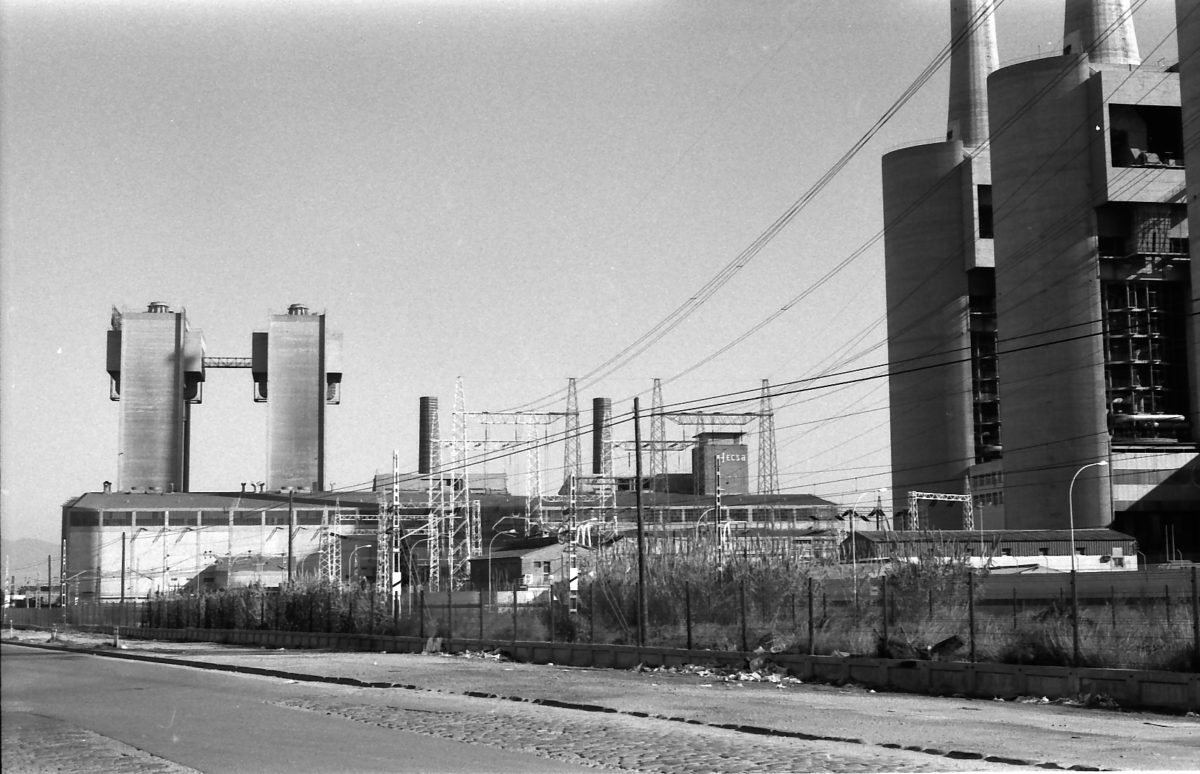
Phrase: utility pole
{"type": "Point", "coordinates": [291, 531]}
{"type": "Point", "coordinates": [641, 545]}
{"type": "Point", "coordinates": [122, 571]}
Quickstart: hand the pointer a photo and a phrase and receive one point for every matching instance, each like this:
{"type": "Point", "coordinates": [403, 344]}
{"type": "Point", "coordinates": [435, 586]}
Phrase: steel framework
{"type": "Point", "coordinates": [914, 513]}
{"type": "Point", "coordinates": [768, 469]}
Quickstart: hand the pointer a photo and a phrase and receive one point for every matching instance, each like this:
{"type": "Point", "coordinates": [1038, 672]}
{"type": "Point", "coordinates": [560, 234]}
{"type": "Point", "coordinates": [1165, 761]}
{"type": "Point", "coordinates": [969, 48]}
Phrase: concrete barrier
{"type": "Point", "coordinates": [1172, 691]}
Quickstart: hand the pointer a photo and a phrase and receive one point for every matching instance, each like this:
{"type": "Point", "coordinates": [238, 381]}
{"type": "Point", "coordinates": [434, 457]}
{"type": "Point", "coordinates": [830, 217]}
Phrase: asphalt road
{"type": "Point", "coordinates": [57, 718]}
{"type": "Point", "coordinates": [214, 722]}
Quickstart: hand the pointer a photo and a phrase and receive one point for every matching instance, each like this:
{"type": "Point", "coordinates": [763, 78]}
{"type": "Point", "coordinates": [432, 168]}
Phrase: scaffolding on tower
{"type": "Point", "coordinates": [436, 506]}
{"type": "Point", "coordinates": [330, 547]}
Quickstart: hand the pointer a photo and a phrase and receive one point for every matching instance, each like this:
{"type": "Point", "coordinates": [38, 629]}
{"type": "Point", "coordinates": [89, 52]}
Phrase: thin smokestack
{"type": "Point", "coordinates": [427, 451]}
{"type": "Point", "coordinates": [601, 436]}
{"type": "Point", "coordinates": [1103, 29]}
{"type": "Point", "coordinates": [972, 60]}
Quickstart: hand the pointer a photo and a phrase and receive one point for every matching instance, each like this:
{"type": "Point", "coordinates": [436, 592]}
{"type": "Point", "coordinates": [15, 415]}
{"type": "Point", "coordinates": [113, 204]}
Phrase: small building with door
{"type": "Point", "coordinates": [530, 567]}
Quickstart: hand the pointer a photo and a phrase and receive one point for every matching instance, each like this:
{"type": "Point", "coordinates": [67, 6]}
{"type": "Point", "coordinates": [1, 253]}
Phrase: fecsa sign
{"type": "Point", "coordinates": [729, 457]}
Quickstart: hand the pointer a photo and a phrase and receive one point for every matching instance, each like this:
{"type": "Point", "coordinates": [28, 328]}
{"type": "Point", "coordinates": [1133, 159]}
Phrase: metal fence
{"type": "Point", "coordinates": [1145, 620]}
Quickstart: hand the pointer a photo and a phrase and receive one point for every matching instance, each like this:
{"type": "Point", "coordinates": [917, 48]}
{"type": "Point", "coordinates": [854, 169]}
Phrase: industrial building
{"type": "Point", "coordinates": [1041, 297]}
{"type": "Point", "coordinates": [156, 372]}
{"type": "Point", "coordinates": [297, 372]}
{"type": "Point", "coordinates": [1002, 551]}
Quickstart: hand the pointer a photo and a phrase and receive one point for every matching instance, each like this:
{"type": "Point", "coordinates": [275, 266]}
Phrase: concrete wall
{"type": "Point", "coordinates": [1188, 17]}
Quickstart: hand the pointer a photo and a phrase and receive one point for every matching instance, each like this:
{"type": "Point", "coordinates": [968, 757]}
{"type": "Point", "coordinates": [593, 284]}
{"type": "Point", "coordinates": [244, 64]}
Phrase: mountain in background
{"type": "Point", "coordinates": [25, 559]}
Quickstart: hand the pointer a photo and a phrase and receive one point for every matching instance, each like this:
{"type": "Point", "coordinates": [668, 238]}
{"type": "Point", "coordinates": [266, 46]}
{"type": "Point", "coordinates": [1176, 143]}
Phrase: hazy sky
{"type": "Point", "coordinates": [510, 192]}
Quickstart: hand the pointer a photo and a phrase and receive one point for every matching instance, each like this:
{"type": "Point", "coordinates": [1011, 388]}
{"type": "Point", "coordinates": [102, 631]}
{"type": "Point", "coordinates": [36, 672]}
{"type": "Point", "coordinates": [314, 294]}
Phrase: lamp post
{"type": "Point", "coordinates": [1071, 504]}
{"type": "Point", "coordinates": [510, 533]}
{"type": "Point", "coordinates": [1074, 584]}
{"type": "Point", "coordinates": [354, 558]}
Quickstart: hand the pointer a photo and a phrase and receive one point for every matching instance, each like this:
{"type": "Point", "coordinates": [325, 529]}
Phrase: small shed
{"type": "Point", "coordinates": [530, 567]}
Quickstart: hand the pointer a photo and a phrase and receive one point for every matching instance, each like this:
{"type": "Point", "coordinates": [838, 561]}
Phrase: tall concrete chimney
{"type": "Point", "coordinates": [428, 451]}
{"type": "Point", "coordinates": [602, 436]}
{"type": "Point", "coordinates": [1103, 29]}
{"type": "Point", "coordinates": [972, 59]}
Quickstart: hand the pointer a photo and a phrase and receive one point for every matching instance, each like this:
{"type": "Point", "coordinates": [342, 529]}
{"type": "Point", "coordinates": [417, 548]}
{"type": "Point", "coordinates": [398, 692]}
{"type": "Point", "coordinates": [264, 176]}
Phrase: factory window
{"type": "Point", "coordinates": [1146, 135]}
{"type": "Point", "coordinates": [153, 518]}
{"type": "Point", "coordinates": [84, 519]}
{"type": "Point", "coordinates": [308, 517]}
{"type": "Point", "coordinates": [214, 519]}
{"type": "Point", "coordinates": [274, 518]}
{"type": "Point", "coordinates": [986, 229]}
{"type": "Point", "coordinates": [118, 519]}
{"type": "Point", "coordinates": [247, 518]}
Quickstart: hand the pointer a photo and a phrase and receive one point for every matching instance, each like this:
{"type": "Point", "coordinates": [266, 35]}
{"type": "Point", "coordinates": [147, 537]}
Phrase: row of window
{"type": "Point", "coordinates": [988, 498]}
{"type": "Point", "coordinates": [277, 517]}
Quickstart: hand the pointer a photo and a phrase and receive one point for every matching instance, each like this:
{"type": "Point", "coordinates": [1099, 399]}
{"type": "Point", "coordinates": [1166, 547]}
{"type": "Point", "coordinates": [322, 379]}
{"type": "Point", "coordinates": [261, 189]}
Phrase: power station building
{"type": "Point", "coordinates": [156, 372]}
{"type": "Point", "coordinates": [1041, 293]}
{"type": "Point", "coordinates": [297, 372]}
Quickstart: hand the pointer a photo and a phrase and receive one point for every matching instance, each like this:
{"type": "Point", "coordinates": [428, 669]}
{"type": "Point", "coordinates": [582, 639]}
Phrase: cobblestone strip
{"type": "Point", "coordinates": [613, 741]}
{"type": "Point", "coordinates": [32, 744]}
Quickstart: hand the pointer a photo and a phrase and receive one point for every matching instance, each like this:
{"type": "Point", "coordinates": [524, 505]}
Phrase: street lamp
{"type": "Point", "coordinates": [1071, 504]}
{"type": "Point", "coordinates": [510, 533]}
{"type": "Point", "coordinates": [1074, 584]}
{"type": "Point", "coordinates": [354, 557]}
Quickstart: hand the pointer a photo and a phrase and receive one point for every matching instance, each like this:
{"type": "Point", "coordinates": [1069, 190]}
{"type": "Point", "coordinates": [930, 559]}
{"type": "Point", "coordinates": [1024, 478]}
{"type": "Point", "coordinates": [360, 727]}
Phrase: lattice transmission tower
{"type": "Point", "coordinates": [658, 438]}
{"type": "Point", "coordinates": [572, 462]}
{"type": "Point", "coordinates": [768, 468]}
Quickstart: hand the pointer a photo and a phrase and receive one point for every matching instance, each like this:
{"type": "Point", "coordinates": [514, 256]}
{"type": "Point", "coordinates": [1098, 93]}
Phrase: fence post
{"type": "Point", "coordinates": [1195, 623]}
{"type": "Point", "coordinates": [1014, 606]}
{"type": "Point", "coordinates": [550, 605]}
{"type": "Point", "coordinates": [481, 615]}
{"type": "Point", "coordinates": [1167, 603]}
{"type": "Point", "coordinates": [971, 613]}
{"type": "Point", "coordinates": [514, 634]}
{"type": "Point", "coordinates": [742, 594]}
{"type": "Point", "coordinates": [687, 612]}
{"type": "Point", "coordinates": [1112, 604]}
{"type": "Point", "coordinates": [883, 613]}
{"type": "Point", "coordinates": [421, 604]}
{"type": "Point", "coordinates": [592, 611]}
{"type": "Point", "coordinates": [812, 645]}
{"type": "Point", "coordinates": [1074, 621]}
{"type": "Point", "coordinates": [449, 614]}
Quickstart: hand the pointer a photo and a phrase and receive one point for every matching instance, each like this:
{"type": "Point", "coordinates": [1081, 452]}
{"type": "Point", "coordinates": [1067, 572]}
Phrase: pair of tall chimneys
{"type": "Point", "coordinates": [429, 437]}
{"type": "Point", "coordinates": [1100, 29]}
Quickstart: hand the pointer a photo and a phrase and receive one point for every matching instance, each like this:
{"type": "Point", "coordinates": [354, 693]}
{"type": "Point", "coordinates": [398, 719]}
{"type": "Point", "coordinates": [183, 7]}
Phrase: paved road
{"type": "Point", "coordinates": [109, 715]}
